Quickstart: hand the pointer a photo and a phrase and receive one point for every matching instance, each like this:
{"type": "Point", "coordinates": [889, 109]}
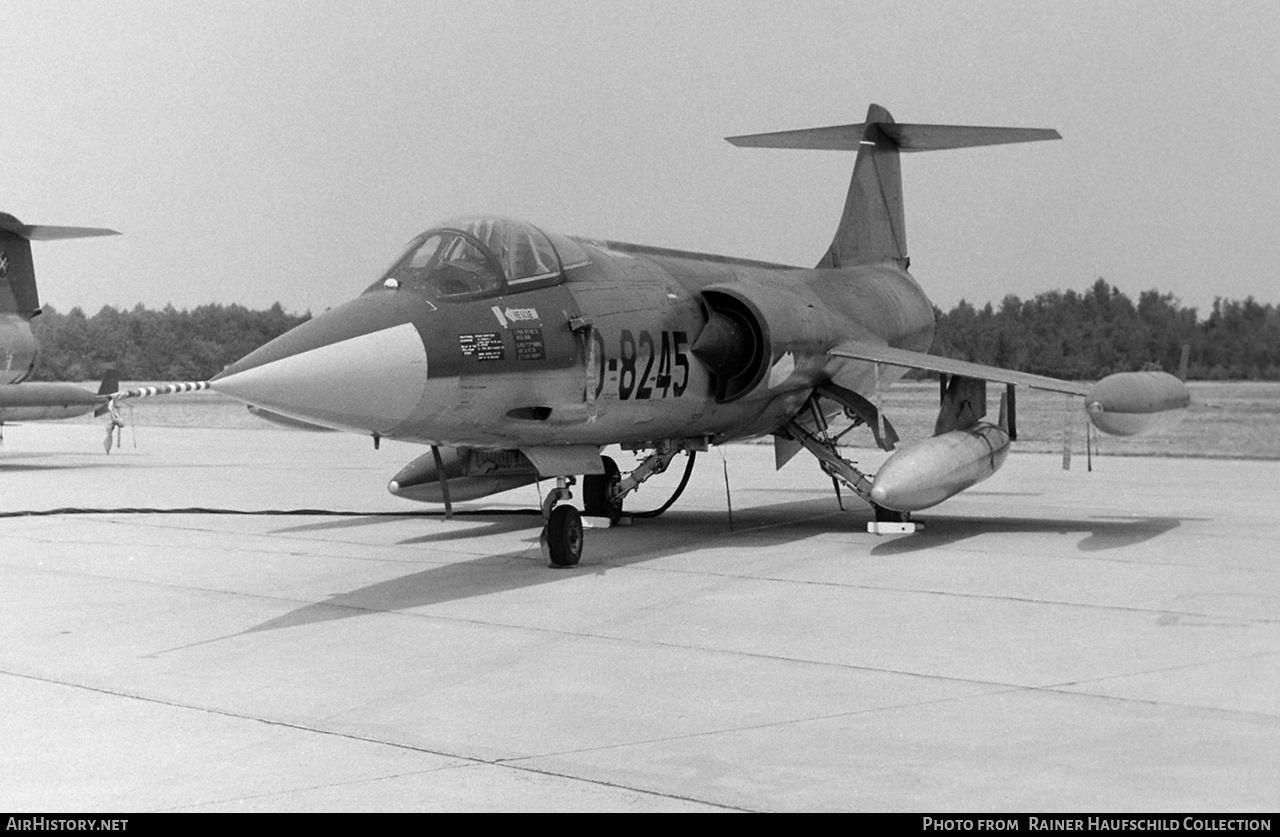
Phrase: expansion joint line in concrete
{"type": "Point", "coordinates": [508, 764]}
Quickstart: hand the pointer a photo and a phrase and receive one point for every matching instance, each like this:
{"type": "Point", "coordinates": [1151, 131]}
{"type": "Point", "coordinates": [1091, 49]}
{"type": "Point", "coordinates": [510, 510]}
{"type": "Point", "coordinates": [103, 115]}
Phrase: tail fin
{"type": "Point", "coordinates": [872, 228]}
{"type": "Point", "coordinates": [110, 386]}
{"type": "Point", "coordinates": [18, 294]}
{"type": "Point", "coordinates": [110, 382]}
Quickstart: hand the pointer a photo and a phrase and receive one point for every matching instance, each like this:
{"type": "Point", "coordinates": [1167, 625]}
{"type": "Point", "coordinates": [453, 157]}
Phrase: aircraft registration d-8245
{"type": "Point", "coordinates": [517, 353]}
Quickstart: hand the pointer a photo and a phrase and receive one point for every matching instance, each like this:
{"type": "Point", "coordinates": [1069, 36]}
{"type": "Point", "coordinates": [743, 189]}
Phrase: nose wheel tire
{"type": "Point", "coordinates": [598, 489]}
{"type": "Point", "coordinates": [562, 537]}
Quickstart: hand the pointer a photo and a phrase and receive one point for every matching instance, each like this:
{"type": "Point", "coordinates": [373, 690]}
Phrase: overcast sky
{"type": "Point", "coordinates": [276, 151]}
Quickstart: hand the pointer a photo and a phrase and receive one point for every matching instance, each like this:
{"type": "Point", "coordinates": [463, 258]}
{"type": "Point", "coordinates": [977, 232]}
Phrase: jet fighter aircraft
{"type": "Point", "coordinates": [517, 353]}
{"type": "Point", "coordinates": [19, 303]}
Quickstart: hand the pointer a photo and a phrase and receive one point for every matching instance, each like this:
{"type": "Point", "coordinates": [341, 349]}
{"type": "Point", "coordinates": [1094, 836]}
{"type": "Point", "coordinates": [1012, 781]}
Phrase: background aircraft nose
{"type": "Point", "coordinates": [361, 367]}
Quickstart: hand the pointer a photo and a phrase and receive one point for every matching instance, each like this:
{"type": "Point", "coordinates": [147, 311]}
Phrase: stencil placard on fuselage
{"type": "Point", "coordinates": [529, 344]}
{"type": "Point", "coordinates": [483, 346]}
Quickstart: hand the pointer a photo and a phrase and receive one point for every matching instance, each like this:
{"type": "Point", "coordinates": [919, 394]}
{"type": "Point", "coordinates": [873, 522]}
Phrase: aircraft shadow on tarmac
{"type": "Point", "coordinates": [679, 533]}
{"type": "Point", "coordinates": [21, 467]}
{"type": "Point", "coordinates": [499, 521]}
{"type": "Point", "coordinates": [1103, 533]}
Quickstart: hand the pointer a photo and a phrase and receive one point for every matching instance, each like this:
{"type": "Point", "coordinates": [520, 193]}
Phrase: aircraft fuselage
{"type": "Point", "coordinates": [18, 348]}
{"type": "Point", "coordinates": [605, 356]}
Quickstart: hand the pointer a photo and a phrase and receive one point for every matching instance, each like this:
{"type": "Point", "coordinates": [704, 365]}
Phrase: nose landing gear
{"type": "Point", "coordinates": [602, 496]}
{"type": "Point", "coordinates": [561, 538]}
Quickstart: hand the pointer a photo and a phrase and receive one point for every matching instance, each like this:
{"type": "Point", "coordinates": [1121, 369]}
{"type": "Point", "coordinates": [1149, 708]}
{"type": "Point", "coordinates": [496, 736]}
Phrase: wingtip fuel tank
{"type": "Point", "coordinates": [1133, 403]}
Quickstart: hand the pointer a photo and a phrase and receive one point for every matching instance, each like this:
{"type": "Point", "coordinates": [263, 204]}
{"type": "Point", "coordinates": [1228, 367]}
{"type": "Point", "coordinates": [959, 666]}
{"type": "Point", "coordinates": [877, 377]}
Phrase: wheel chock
{"type": "Point", "coordinates": [880, 527]}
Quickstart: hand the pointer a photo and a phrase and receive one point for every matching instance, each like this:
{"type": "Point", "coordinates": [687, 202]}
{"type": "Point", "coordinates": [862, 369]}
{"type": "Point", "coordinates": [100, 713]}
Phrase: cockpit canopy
{"type": "Point", "coordinates": [477, 256]}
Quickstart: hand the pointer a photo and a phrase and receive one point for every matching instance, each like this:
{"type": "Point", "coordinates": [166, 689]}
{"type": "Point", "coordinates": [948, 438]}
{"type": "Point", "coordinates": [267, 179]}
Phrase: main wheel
{"type": "Point", "coordinates": [597, 489]}
{"type": "Point", "coordinates": [884, 515]}
{"type": "Point", "coordinates": [563, 534]}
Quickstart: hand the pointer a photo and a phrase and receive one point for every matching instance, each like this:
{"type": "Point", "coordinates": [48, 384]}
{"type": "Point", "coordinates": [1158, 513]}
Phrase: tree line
{"type": "Point", "coordinates": [146, 345]}
{"type": "Point", "coordinates": [1085, 336]}
{"type": "Point", "coordinates": [1065, 334]}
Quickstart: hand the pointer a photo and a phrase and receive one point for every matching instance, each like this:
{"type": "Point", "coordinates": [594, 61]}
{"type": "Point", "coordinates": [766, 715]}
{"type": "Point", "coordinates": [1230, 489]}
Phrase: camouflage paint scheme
{"type": "Point", "coordinates": [490, 334]}
{"type": "Point", "coordinates": [616, 365]}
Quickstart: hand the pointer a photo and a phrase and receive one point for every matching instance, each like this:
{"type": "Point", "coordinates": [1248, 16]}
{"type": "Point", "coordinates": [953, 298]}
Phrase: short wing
{"type": "Point", "coordinates": [39, 400]}
{"type": "Point", "coordinates": [43, 394]}
{"type": "Point", "coordinates": [44, 401]}
{"type": "Point", "coordinates": [858, 350]}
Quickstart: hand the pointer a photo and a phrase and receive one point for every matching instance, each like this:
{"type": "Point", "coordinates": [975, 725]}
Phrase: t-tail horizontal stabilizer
{"type": "Point", "coordinates": [906, 136]}
{"type": "Point", "coordinates": [44, 232]}
{"type": "Point", "coordinates": [18, 293]}
{"type": "Point", "coordinates": [872, 228]}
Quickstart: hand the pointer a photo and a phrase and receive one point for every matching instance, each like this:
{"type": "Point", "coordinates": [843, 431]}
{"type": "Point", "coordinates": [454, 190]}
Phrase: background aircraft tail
{"type": "Point", "coordinates": [110, 386]}
{"type": "Point", "coordinates": [18, 294]}
{"type": "Point", "coordinates": [872, 228]}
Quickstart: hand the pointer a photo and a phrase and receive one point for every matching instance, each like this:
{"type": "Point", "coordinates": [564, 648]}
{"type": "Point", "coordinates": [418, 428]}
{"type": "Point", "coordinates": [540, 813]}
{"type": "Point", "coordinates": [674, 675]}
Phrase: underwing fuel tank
{"type": "Point", "coordinates": [1131, 403]}
{"type": "Point", "coordinates": [471, 474]}
{"type": "Point", "coordinates": [925, 473]}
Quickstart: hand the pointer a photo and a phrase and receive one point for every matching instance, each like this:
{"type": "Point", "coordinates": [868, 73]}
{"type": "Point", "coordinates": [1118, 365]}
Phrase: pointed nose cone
{"type": "Point", "coordinates": [361, 367]}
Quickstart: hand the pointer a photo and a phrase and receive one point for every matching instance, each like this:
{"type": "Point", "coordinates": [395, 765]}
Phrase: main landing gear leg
{"type": "Point", "coordinates": [561, 539]}
{"type": "Point", "coordinates": [884, 515]}
{"type": "Point", "coordinates": [831, 461]}
{"type": "Point", "coordinates": [652, 465]}
{"type": "Point", "coordinates": [601, 495]}
{"type": "Point", "coordinates": [841, 469]}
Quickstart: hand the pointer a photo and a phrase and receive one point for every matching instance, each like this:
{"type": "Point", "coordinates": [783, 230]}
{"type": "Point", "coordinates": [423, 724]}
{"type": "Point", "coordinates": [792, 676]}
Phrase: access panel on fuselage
{"type": "Point", "coordinates": [644, 384]}
{"type": "Point", "coordinates": [502, 364]}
